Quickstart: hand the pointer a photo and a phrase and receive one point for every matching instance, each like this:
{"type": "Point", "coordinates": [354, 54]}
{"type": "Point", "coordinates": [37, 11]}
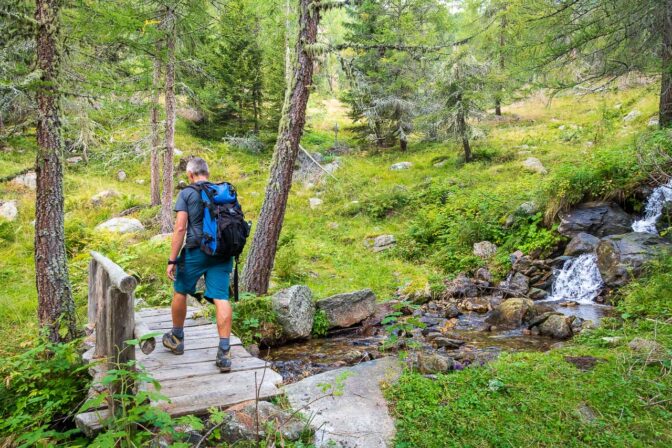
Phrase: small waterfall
{"type": "Point", "coordinates": [578, 280]}
{"type": "Point", "coordinates": [654, 209]}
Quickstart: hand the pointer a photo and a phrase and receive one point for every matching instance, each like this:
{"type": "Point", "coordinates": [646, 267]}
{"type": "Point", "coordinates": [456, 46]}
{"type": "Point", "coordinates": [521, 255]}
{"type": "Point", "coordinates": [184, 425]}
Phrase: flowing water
{"type": "Point", "coordinates": [579, 280]}
{"type": "Point", "coordinates": [654, 209]}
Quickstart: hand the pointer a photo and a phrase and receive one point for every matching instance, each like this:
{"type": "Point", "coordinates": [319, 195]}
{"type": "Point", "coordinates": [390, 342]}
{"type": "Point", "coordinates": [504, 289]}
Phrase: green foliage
{"type": "Point", "coordinates": [287, 267]}
{"type": "Point", "coordinates": [398, 326]}
{"type": "Point", "coordinates": [382, 205]}
{"type": "Point", "coordinates": [320, 324]}
{"type": "Point", "coordinates": [39, 390]}
{"type": "Point", "coordinates": [254, 320]}
{"type": "Point", "coordinates": [649, 296]}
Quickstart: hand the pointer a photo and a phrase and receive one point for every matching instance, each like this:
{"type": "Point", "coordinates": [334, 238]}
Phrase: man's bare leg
{"type": "Point", "coordinates": [224, 312]}
{"type": "Point", "coordinates": [174, 339]}
{"type": "Point", "coordinates": [178, 309]}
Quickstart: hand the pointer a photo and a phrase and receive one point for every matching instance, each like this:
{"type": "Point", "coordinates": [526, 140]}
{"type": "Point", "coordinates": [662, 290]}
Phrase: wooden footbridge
{"type": "Point", "coordinates": [190, 383]}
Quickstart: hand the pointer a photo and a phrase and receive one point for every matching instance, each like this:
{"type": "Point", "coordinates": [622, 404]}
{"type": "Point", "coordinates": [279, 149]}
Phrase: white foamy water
{"type": "Point", "coordinates": [654, 209]}
{"type": "Point", "coordinates": [578, 280]}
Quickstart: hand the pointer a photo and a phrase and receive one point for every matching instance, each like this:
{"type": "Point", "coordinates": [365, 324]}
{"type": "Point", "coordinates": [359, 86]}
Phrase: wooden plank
{"type": "Point", "coordinates": [176, 371]}
{"type": "Point", "coordinates": [189, 357]}
{"type": "Point", "coordinates": [117, 277]}
{"type": "Point", "coordinates": [92, 301]}
{"type": "Point", "coordinates": [101, 286]}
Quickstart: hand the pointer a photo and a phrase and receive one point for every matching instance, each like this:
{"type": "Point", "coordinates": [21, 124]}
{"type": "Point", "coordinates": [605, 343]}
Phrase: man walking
{"type": "Point", "coordinates": [187, 263]}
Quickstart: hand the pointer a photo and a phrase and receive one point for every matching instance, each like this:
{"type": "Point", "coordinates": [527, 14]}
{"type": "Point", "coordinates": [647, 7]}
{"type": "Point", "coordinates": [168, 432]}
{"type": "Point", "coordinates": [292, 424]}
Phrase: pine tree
{"type": "Point", "coordinates": [56, 308]}
{"type": "Point", "coordinates": [259, 263]}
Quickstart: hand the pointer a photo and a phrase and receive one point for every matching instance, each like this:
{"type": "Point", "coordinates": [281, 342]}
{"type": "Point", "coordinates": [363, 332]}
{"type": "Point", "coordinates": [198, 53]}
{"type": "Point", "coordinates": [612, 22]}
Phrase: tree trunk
{"type": "Point", "coordinates": [56, 308]}
{"type": "Point", "coordinates": [260, 259]}
{"type": "Point", "coordinates": [665, 111]}
{"type": "Point", "coordinates": [462, 129]}
{"type": "Point", "coordinates": [155, 169]}
{"type": "Point", "coordinates": [169, 150]}
{"type": "Point", "coordinates": [255, 106]}
{"type": "Point", "coordinates": [403, 144]}
{"type": "Point", "coordinates": [500, 88]}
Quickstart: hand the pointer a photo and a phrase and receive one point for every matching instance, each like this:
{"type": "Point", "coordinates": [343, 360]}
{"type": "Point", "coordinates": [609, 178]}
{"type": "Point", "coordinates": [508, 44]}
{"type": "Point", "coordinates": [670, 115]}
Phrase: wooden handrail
{"type": "Point", "coordinates": [124, 282]}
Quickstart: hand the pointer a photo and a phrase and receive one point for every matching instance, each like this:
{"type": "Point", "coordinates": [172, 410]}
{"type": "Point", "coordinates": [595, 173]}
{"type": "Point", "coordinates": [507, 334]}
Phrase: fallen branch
{"type": "Point", "coordinates": [317, 163]}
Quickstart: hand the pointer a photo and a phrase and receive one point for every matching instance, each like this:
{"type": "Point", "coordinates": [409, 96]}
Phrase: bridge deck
{"type": "Point", "coordinates": [191, 382]}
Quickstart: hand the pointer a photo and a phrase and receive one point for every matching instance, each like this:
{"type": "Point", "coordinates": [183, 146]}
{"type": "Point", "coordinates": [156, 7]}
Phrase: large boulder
{"type": "Point", "coordinates": [346, 310]}
{"type": "Point", "coordinates": [485, 249]}
{"type": "Point", "coordinates": [622, 256]}
{"type": "Point", "coordinates": [103, 196]}
{"type": "Point", "coordinates": [401, 166]}
{"type": "Point", "coordinates": [358, 415]}
{"type": "Point", "coordinates": [512, 313]}
{"type": "Point", "coordinates": [516, 285]}
{"type": "Point", "coordinates": [384, 242]}
{"type": "Point", "coordinates": [239, 422]}
{"type": "Point", "coordinates": [8, 210]}
{"type": "Point", "coordinates": [534, 165]}
{"type": "Point", "coordinates": [460, 286]}
{"type": "Point", "coordinates": [27, 180]}
{"type": "Point", "coordinates": [651, 352]}
{"type": "Point", "coordinates": [190, 114]}
{"type": "Point", "coordinates": [582, 243]}
{"type": "Point", "coordinates": [431, 363]}
{"type": "Point", "coordinates": [596, 218]}
{"type": "Point", "coordinates": [295, 309]}
{"type": "Point", "coordinates": [554, 325]}
{"type": "Point", "coordinates": [121, 225]}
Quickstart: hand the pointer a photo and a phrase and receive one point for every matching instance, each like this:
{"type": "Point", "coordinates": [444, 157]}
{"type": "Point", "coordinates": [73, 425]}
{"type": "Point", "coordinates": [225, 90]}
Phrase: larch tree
{"type": "Point", "coordinates": [260, 259]}
{"type": "Point", "coordinates": [56, 308]}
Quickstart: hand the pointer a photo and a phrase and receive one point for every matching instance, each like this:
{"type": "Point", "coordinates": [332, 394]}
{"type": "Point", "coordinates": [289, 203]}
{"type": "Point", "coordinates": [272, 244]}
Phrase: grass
{"type": "Point", "coordinates": [436, 213]}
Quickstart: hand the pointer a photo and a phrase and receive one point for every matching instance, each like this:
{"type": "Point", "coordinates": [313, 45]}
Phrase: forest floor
{"type": "Point", "coordinates": [522, 399]}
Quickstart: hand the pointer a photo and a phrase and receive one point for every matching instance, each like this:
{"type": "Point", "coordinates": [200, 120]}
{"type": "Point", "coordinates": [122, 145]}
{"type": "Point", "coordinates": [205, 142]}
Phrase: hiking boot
{"type": "Point", "coordinates": [173, 343]}
{"type": "Point", "coordinates": [223, 360]}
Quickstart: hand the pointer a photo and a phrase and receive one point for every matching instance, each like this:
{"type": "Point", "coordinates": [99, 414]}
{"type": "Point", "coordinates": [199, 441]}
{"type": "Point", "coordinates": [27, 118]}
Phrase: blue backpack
{"type": "Point", "coordinates": [225, 230]}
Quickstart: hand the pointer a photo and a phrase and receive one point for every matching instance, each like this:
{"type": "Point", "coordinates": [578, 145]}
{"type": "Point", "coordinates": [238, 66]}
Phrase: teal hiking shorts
{"type": "Point", "coordinates": [192, 263]}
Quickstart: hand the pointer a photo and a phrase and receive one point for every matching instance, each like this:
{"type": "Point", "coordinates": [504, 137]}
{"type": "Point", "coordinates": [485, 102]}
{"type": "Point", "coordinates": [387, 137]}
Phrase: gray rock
{"type": "Point", "coordinates": [161, 237]}
{"type": "Point", "coordinates": [476, 304]}
{"type": "Point", "coordinates": [121, 175]}
{"type": "Point", "coordinates": [74, 160]}
{"type": "Point", "coordinates": [557, 326]}
{"type": "Point", "coordinates": [240, 422]}
{"type": "Point", "coordinates": [430, 363]}
{"type": "Point", "coordinates": [295, 309]}
{"type": "Point", "coordinates": [485, 249]}
{"type": "Point", "coordinates": [596, 218]}
{"type": "Point", "coordinates": [401, 166]}
{"type": "Point", "coordinates": [121, 225]}
{"type": "Point", "coordinates": [315, 203]}
{"type": "Point", "coordinates": [632, 115]}
{"type": "Point", "coordinates": [534, 165]}
{"type": "Point", "coordinates": [461, 286]}
{"type": "Point", "coordinates": [527, 208]}
{"type": "Point", "coordinates": [653, 122]}
{"type": "Point", "coordinates": [622, 256]}
{"type": "Point", "coordinates": [582, 243]}
{"type": "Point", "coordinates": [449, 343]}
{"type": "Point", "coordinates": [27, 180]}
{"type": "Point", "coordinates": [484, 275]}
{"type": "Point", "coordinates": [8, 210]}
{"type": "Point", "coordinates": [101, 197]}
{"type": "Point", "coordinates": [357, 417]}
{"type": "Point", "coordinates": [190, 114]}
{"type": "Point", "coordinates": [384, 242]}
{"type": "Point", "coordinates": [537, 294]}
{"type": "Point", "coordinates": [441, 164]}
{"type": "Point", "coordinates": [516, 285]}
{"type": "Point", "coordinates": [651, 352]}
{"type": "Point", "coordinates": [345, 310]}
{"type": "Point", "coordinates": [512, 313]}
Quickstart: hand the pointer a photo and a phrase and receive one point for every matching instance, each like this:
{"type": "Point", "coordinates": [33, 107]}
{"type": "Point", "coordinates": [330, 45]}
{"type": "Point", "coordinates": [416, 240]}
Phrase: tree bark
{"type": "Point", "coordinates": [403, 144]}
{"type": "Point", "coordinates": [56, 308]}
{"type": "Point", "coordinates": [169, 149]}
{"type": "Point", "coordinates": [665, 108]}
{"type": "Point", "coordinates": [259, 264]}
{"type": "Point", "coordinates": [155, 169]}
{"type": "Point", "coordinates": [498, 96]}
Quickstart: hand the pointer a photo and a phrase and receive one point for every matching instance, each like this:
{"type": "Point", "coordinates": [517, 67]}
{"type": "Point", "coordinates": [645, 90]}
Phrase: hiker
{"type": "Point", "coordinates": [208, 252]}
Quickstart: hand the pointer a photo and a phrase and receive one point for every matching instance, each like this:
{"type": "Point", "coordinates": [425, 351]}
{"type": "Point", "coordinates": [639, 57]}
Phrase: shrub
{"type": "Point", "coordinates": [382, 205]}
{"type": "Point", "coordinates": [39, 390]}
{"type": "Point", "coordinates": [254, 320]}
{"type": "Point", "coordinates": [320, 324]}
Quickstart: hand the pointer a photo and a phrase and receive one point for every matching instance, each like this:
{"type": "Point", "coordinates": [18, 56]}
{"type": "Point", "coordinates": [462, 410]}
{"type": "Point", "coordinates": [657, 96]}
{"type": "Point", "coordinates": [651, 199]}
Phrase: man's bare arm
{"type": "Point", "coordinates": [179, 231]}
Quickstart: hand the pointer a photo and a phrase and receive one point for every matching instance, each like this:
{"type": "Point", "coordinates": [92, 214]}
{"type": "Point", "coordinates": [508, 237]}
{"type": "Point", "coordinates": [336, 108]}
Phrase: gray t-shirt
{"type": "Point", "coordinates": [189, 200]}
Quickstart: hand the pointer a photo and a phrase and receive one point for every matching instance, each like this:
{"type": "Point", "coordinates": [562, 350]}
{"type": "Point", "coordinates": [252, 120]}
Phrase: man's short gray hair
{"type": "Point", "coordinates": [198, 167]}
